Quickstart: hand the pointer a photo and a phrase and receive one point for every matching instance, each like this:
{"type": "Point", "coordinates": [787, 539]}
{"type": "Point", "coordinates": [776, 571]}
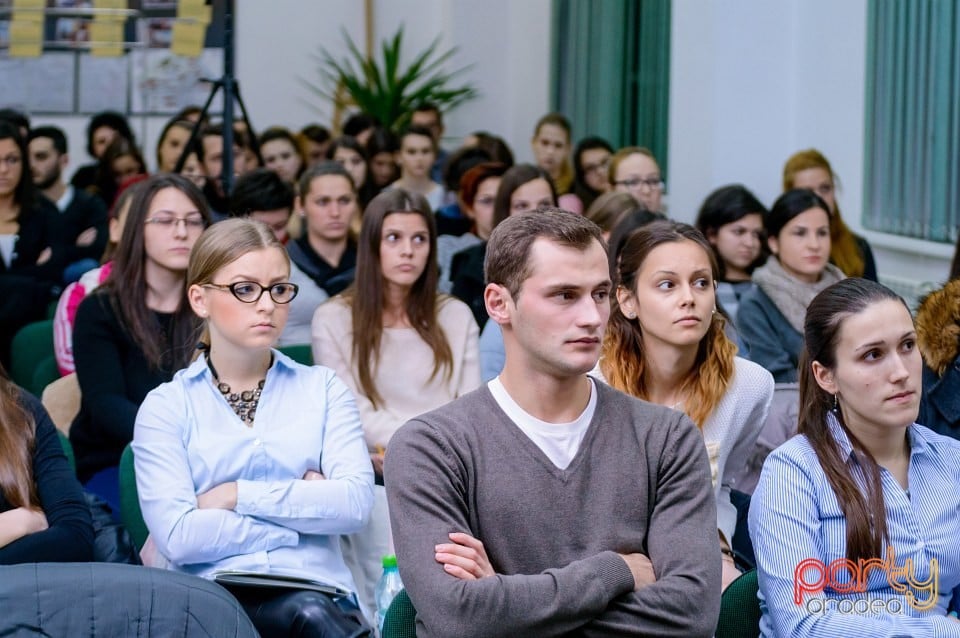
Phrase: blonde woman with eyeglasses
{"type": "Point", "coordinates": [248, 461]}
{"type": "Point", "coordinates": [136, 329]}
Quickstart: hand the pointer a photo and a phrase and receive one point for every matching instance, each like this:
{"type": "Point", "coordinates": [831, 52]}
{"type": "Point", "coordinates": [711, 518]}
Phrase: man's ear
{"type": "Point", "coordinates": [198, 301]}
{"type": "Point", "coordinates": [499, 302]}
{"type": "Point", "coordinates": [824, 377]}
{"type": "Point", "coordinates": [64, 161]}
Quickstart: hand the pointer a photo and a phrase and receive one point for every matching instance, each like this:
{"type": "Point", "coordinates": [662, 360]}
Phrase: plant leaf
{"type": "Point", "coordinates": [382, 88]}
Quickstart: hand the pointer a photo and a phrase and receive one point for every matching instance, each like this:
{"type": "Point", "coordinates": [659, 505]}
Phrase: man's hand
{"type": "Point", "coordinates": [464, 558]}
{"type": "Point", "coordinates": [223, 496]}
{"type": "Point", "coordinates": [641, 568]}
{"type": "Point", "coordinates": [87, 237]}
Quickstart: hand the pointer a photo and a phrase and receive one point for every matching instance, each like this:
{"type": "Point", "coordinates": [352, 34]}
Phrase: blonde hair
{"type": "Point", "coordinates": [623, 361]}
{"type": "Point", "coordinates": [224, 243]}
{"type": "Point", "coordinates": [845, 252]}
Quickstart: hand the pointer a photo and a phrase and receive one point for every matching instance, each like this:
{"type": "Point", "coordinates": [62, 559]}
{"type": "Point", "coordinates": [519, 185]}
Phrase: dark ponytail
{"type": "Point", "coordinates": [862, 506]}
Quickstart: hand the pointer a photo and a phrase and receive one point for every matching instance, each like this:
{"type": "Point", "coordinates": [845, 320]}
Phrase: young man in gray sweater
{"type": "Point", "coordinates": [546, 503]}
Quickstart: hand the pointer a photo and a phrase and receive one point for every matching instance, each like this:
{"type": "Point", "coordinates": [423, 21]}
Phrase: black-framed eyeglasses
{"type": "Point", "coordinates": [251, 291]}
{"type": "Point", "coordinates": [638, 183]}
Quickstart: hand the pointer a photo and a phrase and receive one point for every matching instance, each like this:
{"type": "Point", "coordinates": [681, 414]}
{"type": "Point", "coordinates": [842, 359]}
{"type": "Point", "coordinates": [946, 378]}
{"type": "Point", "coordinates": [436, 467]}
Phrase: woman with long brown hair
{"type": "Point", "coordinates": [43, 516]}
{"type": "Point", "coordinates": [850, 253]}
{"type": "Point", "coordinates": [402, 348]}
{"type": "Point", "coordinates": [134, 331]}
{"type": "Point", "coordinates": [854, 522]}
{"type": "Point", "coordinates": [771, 313]}
{"type": "Point", "coordinates": [666, 344]}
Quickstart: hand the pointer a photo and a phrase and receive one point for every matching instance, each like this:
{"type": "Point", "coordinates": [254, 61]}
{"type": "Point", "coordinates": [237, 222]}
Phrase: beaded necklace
{"type": "Point", "coordinates": [244, 404]}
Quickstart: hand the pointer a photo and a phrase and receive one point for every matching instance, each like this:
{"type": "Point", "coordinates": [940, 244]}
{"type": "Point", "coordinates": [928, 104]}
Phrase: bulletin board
{"type": "Point", "coordinates": [147, 80]}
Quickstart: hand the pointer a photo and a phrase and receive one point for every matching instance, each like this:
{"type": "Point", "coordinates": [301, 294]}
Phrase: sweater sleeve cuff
{"type": "Point", "coordinates": [615, 574]}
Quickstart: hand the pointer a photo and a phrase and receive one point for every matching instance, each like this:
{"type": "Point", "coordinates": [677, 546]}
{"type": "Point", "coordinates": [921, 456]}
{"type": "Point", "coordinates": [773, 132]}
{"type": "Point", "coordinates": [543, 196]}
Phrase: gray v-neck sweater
{"type": "Point", "coordinates": [640, 482]}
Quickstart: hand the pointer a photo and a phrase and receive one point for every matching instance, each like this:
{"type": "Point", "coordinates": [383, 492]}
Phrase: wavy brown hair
{"type": "Point", "coordinates": [622, 358]}
{"type": "Point", "coordinates": [861, 502]}
{"type": "Point", "coordinates": [367, 293]}
{"type": "Point", "coordinates": [17, 438]}
{"type": "Point", "coordinates": [845, 252]}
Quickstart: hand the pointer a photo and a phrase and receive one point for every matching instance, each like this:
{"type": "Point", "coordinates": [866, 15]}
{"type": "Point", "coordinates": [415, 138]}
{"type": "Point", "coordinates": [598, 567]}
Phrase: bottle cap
{"type": "Point", "coordinates": [389, 561]}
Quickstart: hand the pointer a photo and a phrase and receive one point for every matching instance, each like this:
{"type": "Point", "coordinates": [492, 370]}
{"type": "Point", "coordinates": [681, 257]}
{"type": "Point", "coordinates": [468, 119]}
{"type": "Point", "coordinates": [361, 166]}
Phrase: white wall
{"type": "Point", "coordinates": [507, 44]}
{"type": "Point", "coordinates": [753, 81]}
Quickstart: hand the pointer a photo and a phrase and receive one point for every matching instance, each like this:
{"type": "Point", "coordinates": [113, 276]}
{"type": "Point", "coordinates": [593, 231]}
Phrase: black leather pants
{"type": "Point", "coordinates": [285, 613]}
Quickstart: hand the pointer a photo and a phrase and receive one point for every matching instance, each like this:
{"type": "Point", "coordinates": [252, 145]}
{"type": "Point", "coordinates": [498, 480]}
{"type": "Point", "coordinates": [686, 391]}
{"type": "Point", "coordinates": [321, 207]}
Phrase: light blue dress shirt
{"type": "Point", "coordinates": [794, 516]}
{"type": "Point", "coordinates": [493, 356]}
{"type": "Point", "coordinates": [188, 440]}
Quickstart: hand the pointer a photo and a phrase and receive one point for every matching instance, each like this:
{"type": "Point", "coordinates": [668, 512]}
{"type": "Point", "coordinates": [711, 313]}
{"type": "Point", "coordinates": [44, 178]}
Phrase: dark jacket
{"type": "Point", "coordinates": [770, 339]}
{"type": "Point", "coordinates": [98, 599]}
{"type": "Point", "coordinates": [466, 273]}
{"type": "Point", "coordinates": [938, 336]}
{"type": "Point", "coordinates": [69, 537]}
{"type": "Point", "coordinates": [114, 377]}
{"type": "Point", "coordinates": [84, 211]}
{"type": "Point", "coordinates": [333, 279]}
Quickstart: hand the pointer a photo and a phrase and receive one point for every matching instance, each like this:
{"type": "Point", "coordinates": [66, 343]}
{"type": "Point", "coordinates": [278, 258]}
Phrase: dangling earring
{"type": "Point", "coordinates": [714, 311]}
{"type": "Point", "coordinates": [836, 404]}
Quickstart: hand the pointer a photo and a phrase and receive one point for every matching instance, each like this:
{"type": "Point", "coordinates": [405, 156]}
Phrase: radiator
{"type": "Point", "coordinates": [910, 289]}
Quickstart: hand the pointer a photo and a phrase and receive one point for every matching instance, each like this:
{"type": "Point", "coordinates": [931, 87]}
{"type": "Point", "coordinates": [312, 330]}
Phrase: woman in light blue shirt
{"type": "Point", "coordinates": [855, 521]}
{"type": "Point", "coordinates": [247, 461]}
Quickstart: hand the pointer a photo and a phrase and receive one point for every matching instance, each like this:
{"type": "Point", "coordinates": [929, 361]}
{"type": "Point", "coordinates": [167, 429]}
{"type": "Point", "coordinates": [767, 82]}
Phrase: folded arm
{"type": "Point", "coordinates": [341, 503]}
{"type": "Point", "coordinates": [684, 516]}
{"type": "Point", "coordinates": [426, 491]}
{"type": "Point", "coordinates": [62, 531]}
{"type": "Point", "coordinates": [183, 532]}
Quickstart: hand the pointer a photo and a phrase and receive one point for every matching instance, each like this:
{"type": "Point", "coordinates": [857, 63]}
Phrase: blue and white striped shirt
{"type": "Point", "coordinates": [795, 516]}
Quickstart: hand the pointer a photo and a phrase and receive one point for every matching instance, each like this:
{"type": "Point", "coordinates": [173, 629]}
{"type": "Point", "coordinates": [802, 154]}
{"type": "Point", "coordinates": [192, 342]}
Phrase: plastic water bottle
{"type": "Point", "coordinates": [388, 587]}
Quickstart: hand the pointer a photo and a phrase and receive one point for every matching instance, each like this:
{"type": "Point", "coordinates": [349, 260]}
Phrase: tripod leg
{"type": "Point", "coordinates": [195, 132]}
{"type": "Point", "coordinates": [254, 143]}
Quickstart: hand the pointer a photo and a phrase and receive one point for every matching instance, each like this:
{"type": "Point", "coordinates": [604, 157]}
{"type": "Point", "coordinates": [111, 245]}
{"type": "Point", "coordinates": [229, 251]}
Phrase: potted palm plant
{"type": "Point", "coordinates": [382, 88]}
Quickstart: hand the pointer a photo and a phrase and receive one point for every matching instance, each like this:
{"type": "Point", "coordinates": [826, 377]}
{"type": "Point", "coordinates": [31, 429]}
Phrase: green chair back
{"type": "Point", "coordinates": [44, 374]}
{"type": "Point", "coordinates": [31, 345]}
{"type": "Point", "coordinates": [401, 618]}
{"type": "Point", "coordinates": [130, 513]}
{"type": "Point", "coordinates": [740, 608]}
{"type": "Point", "coordinates": [301, 353]}
{"type": "Point", "coordinates": [68, 450]}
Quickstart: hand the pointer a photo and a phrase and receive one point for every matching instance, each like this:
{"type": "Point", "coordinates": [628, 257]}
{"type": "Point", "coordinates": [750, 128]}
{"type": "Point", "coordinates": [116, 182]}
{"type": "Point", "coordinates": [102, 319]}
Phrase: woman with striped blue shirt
{"type": "Point", "coordinates": [856, 521]}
